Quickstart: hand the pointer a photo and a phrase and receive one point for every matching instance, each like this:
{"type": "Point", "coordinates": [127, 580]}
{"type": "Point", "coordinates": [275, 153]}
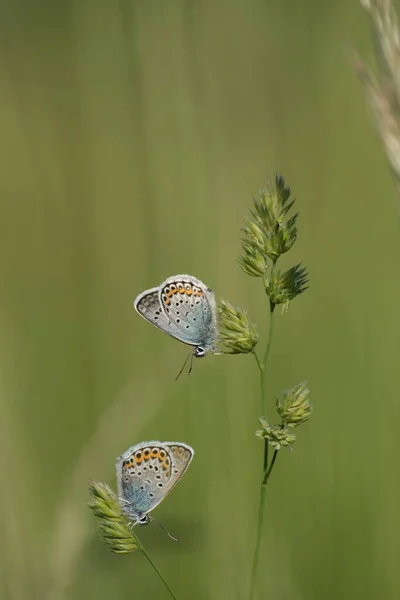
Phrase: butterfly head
{"type": "Point", "coordinates": [200, 351]}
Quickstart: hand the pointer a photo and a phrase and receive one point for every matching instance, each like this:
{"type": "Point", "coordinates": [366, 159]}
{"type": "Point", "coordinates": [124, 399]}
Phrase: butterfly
{"type": "Point", "coordinates": [146, 473]}
{"type": "Point", "coordinates": [183, 307]}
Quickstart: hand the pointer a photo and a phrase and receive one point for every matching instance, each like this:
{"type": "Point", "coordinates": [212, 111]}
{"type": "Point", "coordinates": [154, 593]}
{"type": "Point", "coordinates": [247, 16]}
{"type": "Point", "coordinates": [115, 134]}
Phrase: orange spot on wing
{"type": "Point", "coordinates": [167, 302]}
{"type": "Point", "coordinates": [166, 467]}
{"type": "Point", "coordinates": [189, 292]}
{"type": "Point", "coordinates": [182, 291]}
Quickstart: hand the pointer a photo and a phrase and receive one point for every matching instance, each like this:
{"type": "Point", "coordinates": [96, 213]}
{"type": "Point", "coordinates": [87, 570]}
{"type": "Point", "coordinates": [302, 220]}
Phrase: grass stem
{"type": "Point", "coordinates": [158, 572]}
{"type": "Point", "coordinates": [271, 466]}
{"type": "Point", "coordinates": [267, 471]}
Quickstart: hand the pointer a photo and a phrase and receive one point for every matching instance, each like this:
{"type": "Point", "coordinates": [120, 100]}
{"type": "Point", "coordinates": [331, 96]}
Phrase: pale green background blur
{"type": "Point", "coordinates": [133, 136]}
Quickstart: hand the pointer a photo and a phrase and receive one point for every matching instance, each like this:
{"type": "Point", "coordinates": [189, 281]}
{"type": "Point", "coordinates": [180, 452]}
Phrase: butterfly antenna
{"type": "Point", "coordinates": [184, 365]}
{"type": "Point", "coordinates": [164, 528]}
{"type": "Point", "coordinates": [191, 364]}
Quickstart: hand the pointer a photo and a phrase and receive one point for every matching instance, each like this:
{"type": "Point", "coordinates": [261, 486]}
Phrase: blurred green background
{"type": "Point", "coordinates": [133, 137]}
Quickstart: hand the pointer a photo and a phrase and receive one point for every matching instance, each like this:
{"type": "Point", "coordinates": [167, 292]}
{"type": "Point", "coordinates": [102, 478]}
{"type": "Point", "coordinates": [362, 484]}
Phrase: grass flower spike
{"type": "Point", "coordinates": [284, 287]}
{"type": "Point", "coordinates": [237, 332]}
{"type": "Point", "coordinates": [268, 234]}
{"type": "Point", "coordinates": [113, 525]}
{"type": "Point", "coordinates": [295, 407]}
{"type": "Point", "coordinates": [277, 436]}
{"type": "Point", "coordinates": [252, 261]}
{"type": "Point", "coordinates": [382, 85]}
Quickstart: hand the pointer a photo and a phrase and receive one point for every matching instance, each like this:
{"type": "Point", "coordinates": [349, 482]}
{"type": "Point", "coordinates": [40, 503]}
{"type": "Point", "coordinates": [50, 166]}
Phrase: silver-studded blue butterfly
{"type": "Point", "coordinates": [185, 308]}
{"type": "Point", "coordinates": [146, 473]}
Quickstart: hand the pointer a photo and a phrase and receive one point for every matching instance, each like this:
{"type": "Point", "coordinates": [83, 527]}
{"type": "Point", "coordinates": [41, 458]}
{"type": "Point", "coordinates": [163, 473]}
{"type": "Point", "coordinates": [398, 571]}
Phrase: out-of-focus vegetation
{"type": "Point", "coordinates": [133, 137]}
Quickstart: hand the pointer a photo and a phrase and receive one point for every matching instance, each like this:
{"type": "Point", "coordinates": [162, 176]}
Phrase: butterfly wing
{"type": "Point", "coordinates": [147, 304]}
{"type": "Point", "coordinates": [147, 472]}
{"type": "Point", "coordinates": [181, 456]}
{"type": "Point", "coordinates": [191, 308]}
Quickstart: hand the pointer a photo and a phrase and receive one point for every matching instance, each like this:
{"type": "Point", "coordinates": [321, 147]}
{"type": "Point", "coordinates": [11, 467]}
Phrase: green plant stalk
{"type": "Point", "coordinates": [261, 508]}
{"type": "Point", "coordinates": [157, 571]}
{"type": "Point", "coordinates": [257, 547]}
{"type": "Point", "coordinates": [150, 560]}
{"type": "Point", "coordinates": [271, 466]}
{"type": "Point", "coordinates": [263, 380]}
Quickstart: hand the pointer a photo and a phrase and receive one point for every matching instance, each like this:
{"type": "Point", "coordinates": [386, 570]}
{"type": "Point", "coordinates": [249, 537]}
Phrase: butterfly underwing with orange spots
{"type": "Point", "coordinates": [183, 307]}
{"type": "Point", "coordinates": [146, 473]}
